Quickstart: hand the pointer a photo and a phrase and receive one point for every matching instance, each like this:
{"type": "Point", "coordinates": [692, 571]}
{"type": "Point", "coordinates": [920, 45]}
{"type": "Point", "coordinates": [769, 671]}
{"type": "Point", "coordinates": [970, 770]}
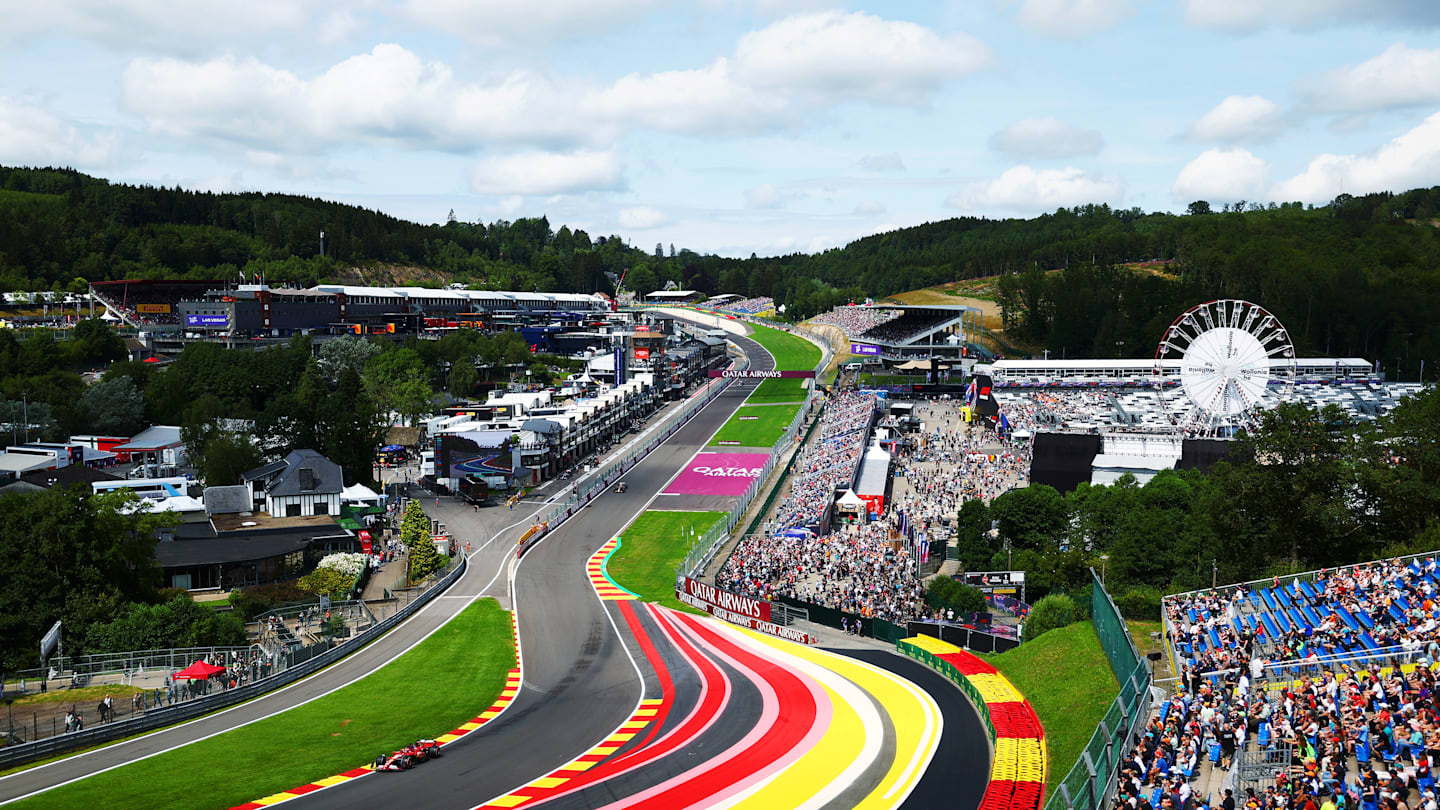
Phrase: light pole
{"type": "Point", "coordinates": [1104, 558]}
{"type": "Point", "coordinates": [1214, 571]}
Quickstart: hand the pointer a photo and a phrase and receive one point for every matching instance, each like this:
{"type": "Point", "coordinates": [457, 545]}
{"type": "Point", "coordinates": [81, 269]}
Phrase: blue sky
{"type": "Point", "coordinates": [732, 126]}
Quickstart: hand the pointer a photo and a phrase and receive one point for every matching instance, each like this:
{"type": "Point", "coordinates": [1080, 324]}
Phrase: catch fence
{"type": "Point", "coordinates": [1089, 782]}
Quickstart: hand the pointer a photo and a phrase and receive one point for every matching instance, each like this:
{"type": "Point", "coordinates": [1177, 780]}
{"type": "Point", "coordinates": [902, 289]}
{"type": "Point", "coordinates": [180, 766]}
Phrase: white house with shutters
{"type": "Point", "coordinates": [302, 483]}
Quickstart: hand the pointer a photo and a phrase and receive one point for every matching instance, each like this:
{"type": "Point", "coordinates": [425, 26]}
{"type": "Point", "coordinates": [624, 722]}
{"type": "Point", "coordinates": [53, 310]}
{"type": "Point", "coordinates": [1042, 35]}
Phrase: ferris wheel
{"type": "Point", "coordinates": [1220, 364]}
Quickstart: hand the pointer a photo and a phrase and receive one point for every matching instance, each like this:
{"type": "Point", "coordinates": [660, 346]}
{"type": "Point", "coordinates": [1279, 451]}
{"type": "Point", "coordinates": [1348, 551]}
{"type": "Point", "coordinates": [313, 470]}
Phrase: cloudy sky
{"type": "Point", "coordinates": [731, 126]}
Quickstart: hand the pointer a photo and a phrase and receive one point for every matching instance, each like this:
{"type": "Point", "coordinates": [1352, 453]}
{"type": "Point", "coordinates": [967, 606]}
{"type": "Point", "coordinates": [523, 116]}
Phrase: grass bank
{"type": "Point", "coordinates": [1067, 679]}
{"type": "Point", "coordinates": [414, 696]}
{"type": "Point", "coordinates": [755, 426]}
{"type": "Point", "coordinates": [791, 354]}
{"type": "Point", "coordinates": [651, 549]}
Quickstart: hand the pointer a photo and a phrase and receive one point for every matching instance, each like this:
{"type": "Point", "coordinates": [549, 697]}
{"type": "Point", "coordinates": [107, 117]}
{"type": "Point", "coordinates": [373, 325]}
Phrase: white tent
{"type": "Point", "coordinates": [361, 494]}
{"type": "Point", "coordinates": [109, 316]}
{"type": "Point", "coordinates": [850, 502]}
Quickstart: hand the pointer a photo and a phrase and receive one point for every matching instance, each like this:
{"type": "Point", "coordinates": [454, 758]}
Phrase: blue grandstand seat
{"type": "Point", "coordinates": [1269, 598]}
{"type": "Point", "coordinates": [1347, 617]}
{"type": "Point", "coordinates": [1215, 638]}
{"type": "Point", "coordinates": [1308, 591]}
{"type": "Point", "coordinates": [1270, 626]}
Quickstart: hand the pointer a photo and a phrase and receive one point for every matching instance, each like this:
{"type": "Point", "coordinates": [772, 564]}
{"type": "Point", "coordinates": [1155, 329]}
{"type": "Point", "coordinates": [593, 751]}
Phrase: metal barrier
{"type": "Point", "coordinates": [169, 715]}
{"type": "Point", "coordinates": [1091, 780]}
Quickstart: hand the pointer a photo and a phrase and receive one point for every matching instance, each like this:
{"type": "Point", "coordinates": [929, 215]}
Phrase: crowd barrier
{"type": "Point", "coordinates": [13, 755]}
{"type": "Point", "coordinates": [1089, 783]}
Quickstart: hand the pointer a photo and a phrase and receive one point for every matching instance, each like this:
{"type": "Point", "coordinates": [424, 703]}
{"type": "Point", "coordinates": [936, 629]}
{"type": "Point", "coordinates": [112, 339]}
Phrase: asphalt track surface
{"type": "Point", "coordinates": [579, 643]}
{"type": "Point", "coordinates": [717, 717]}
{"type": "Point", "coordinates": [579, 682]}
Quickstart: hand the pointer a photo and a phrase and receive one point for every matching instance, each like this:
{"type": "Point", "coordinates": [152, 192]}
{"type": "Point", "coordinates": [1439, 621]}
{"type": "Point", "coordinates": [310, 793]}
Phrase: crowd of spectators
{"type": "Point", "coordinates": [866, 568]}
{"type": "Point", "coordinates": [831, 460]}
{"type": "Point", "coordinates": [750, 306]}
{"type": "Point", "coordinates": [910, 325]}
{"type": "Point", "coordinates": [136, 296]}
{"type": "Point", "coordinates": [855, 320]}
{"type": "Point", "coordinates": [1363, 734]}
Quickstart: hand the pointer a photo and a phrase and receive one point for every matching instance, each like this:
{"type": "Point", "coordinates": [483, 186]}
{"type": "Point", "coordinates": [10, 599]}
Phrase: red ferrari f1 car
{"type": "Point", "coordinates": [408, 757]}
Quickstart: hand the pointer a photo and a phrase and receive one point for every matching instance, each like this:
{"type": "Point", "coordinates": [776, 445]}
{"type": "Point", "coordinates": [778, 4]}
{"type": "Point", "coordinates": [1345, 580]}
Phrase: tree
{"type": "Point", "coordinates": [463, 378]}
{"type": "Point", "coordinates": [225, 457]}
{"type": "Point", "coordinates": [95, 342]}
{"type": "Point", "coordinates": [1051, 613]}
{"type": "Point", "coordinates": [114, 407]}
{"type": "Point", "coordinates": [972, 536]}
{"type": "Point", "coordinates": [178, 622]}
{"type": "Point", "coordinates": [398, 383]}
{"type": "Point", "coordinates": [67, 554]}
{"type": "Point", "coordinates": [1198, 208]}
{"type": "Point", "coordinates": [414, 526]}
{"type": "Point", "coordinates": [347, 351]}
{"type": "Point", "coordinates": [326, 582]}
{"type": "Point", "coordinates": [1031, 518]}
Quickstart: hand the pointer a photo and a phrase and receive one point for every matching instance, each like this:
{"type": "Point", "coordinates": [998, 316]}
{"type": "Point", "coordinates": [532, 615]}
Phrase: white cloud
{"type": "Point", "coordinates": [1072, 19]}
{"type": "Point", "coordinates": [337, 26]}
{"type": "Point", "coordinates": [532, 173]}
{"type": "Point", "coordinates": [1022, 189]}
{"type": "Point", "coordinates": [763, 196]}
{"type": "Point", "coordinates": [869, 207]}
{"type": "Point", "coordinates": [1239, 119]}
{"type": "Point", "coordinates": [1399, 76]}
{"type": "Point", "coordinates": [831, 56]}
{"type": "Point", "coordinates": [781, 73]}
{"type": "Point", "coordinates": [34, 136]}
{"type": "Point", "coordinates": [890, 162]}
{"type": "Point", "coordinates": [1244, 16]}
{"type": "Point", "coordinates": [1409, 161]}
{"type": "Point", "coordinates": [156, 25]}
{"type": "Point", "coordinates": [641, 217]}
{"type": "Point", "coordinates": [509, 206]}
{"type": "Point", "coordinates": [1222, 175]}
{"type": "Point", "coordinates": [387, 94]}
{"type": "Point", "coordinates": [1044, 138]}
{"type": "Point", "coordinates": [497, 22]}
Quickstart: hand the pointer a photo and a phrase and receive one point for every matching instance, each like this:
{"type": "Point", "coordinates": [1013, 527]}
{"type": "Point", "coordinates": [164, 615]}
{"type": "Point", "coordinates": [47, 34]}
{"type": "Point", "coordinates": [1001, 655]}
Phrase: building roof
{"type": "Point", "coordinates": [263, 471]}
{"type": "Point", "coordinates": [874, 472]}
{"type": "Point", "coordinates": [325, 476]}
{"type": "Point", "coordinates": [24, 462]}
{"type": "Point", "coordinates": [155, 437]}
{"type": "Point", "coordinates": [235, 548]}
{"type": "Point", "coordinates": [67, 475]}
{"type": "Point", "coordinates": [228, 500]}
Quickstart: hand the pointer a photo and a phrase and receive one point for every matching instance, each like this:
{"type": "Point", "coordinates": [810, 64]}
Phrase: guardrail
{"type": "Point", "coordinates": [13, 755]}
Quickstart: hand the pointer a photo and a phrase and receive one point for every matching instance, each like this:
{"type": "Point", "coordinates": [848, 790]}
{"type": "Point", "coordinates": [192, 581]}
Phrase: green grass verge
{"type": "Point", "coordinates": [449, 678]}
{"type": "Point", "coordinates": [651, 549]}
{"type": "Point", "coordinates": [791, 354]}
{"type": "Point", "coordinates": [1067, 679]}
{"type": "Point", "coordinates": [763, 431]}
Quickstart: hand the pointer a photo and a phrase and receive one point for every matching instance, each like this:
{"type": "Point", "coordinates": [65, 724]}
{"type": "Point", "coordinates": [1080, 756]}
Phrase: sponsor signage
{"type": "Point", "coordinates": [642, 354]}
{"type": "Point", "coordinates": [732, 607]}
{"type": "Point", "coordinates": [994, 581]}
{"type": "Point", "coordinates": [207, 320]}
{"type": "Point", "coordinates": [153, 309]}
{"type": "Point", "coordinates": [718, 474]}
{"type": "Point", "coordinates": [735, 442]}
{"type": "Point", "coordinates": [867, 349]}
{"type": "Point", "coordinates": [748, 418]}
{"type": "Point", "coordinates": [752, 374]}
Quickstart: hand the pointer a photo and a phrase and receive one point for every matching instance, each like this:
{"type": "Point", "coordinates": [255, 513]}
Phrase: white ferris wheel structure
{"type": "Point", "coordinates": [1220, 364]}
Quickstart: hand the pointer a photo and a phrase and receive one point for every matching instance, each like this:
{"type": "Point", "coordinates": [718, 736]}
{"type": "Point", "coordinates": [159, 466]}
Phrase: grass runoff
{"type": "Point", "coordinates": [791, 354]}
{"type": "Point", "coordinates": [762, 429]}
{"type": "Point", "coordinates": [1067, 679]}
{"type": "Point", "coordinates": [449, 678]}
{"type": "Point", "coordinates": [651, 549]}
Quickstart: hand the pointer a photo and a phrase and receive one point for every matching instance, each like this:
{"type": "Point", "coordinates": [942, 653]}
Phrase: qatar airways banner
{"type": "Point", "coordinates": [718, 474]}
{"type": "Point", "coordinates": [745, 611]}
{"type": "Point", "coordinates": [755, 374]}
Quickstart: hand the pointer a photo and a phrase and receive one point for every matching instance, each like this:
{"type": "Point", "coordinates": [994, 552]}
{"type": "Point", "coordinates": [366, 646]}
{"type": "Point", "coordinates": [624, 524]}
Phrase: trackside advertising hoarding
{"type": "Point", "coordinates": [754, 374]}
{"type": "Point", "coordinates": [745, 611]}
{"type": "Point", "coordinates": [865, 349]}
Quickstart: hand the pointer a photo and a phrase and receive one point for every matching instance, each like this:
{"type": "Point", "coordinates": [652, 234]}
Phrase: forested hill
{"type": "Point", "coordinates": [1357, 277]}
{"type": "Point", "coordinates": [58, 225]}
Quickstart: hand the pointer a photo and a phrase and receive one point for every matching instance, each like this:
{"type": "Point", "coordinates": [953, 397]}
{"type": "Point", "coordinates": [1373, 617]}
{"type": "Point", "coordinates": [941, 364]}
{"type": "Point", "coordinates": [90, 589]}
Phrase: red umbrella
{"type": "Point", "coordinates": [198, 671]}
{"type": "Point", "coordinates": [152, 360]}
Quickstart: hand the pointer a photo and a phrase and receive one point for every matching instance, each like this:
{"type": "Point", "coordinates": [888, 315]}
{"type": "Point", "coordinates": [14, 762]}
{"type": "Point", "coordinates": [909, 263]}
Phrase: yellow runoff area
{"type": "Point", "coordinates": [932, 645]}
{"type": "Point", "coordinates": [852, 741]}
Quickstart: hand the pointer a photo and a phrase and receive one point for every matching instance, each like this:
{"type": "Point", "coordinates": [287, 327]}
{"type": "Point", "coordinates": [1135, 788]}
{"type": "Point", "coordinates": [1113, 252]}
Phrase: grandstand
{"type": "Point", "coordinates": [1320, 685]}
{"type": "Point", "coordinates": [900, 332]}
{"type": "Point", "coordinates": [764, 305]}
{"type": "Point", "coordinates": [1073, 373]}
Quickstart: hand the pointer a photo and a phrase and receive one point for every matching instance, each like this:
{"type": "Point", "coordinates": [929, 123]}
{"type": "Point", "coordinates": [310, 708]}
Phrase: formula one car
{"type": "Point", "coordinates": [408, 757]}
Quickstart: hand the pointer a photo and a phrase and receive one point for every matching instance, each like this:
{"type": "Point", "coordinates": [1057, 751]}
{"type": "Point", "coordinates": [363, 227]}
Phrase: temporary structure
{"type": "Point", "coordinates": [198, 671]}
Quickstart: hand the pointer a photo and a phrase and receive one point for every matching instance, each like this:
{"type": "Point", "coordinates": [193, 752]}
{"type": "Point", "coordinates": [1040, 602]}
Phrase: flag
{"type": "Point", "coordinates": [256, 278]}
{"type": "Point", "coordinates": [1004, 424]}
{"type": "Point", "coordinates": [970, 394]}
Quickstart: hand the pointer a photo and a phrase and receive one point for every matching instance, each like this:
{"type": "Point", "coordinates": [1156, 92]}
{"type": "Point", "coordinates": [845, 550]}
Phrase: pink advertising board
{"type": "Point", "coordinates": [718, 474]}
